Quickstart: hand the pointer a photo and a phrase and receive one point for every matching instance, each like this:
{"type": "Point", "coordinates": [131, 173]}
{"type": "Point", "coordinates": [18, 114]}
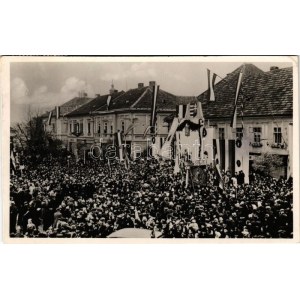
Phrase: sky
{"type": "Point", "coordinates": [40, 86]}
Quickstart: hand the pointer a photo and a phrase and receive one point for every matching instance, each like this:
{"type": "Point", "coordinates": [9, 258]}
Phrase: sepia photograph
{"type": "Point", "coordinates": [166, 148]}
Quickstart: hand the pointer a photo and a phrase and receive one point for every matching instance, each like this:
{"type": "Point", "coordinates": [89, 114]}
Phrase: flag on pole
{"type": "Point", "coordinates": [126, 160]}
{"type": "Point", "coordinates": [177, 158]}
{"type": "Point", "coordinates": [228, 155]}
{"type": "Point", "coordinates": [199, 111]}
{"type": "Point", "coordinates": [237, 93]}
{"type": "Point", "coordinates": [216, 149]}
{"type": "Point", "coordinates": [153, 109]}
{"type": "Point", "coordinates": [290, 151]}
{"type": "Point", "coordinates": [242, 156]}
{"type": "Point", "coordinates": [188, 112]}
{"type": "Point", "coordinates": [12, 161]}
{"type": "Point", "coordinates": [176, 167]}
{"type": "Point", "coordinates": [165, 149]}
{"type": "Point", "coordinates": [211, 85]}
{"type": "Point", "coordinates": [180, 111]}
{"type": "Point", "coordinates": [201, 143]}
{"type": "Point", "coordinates": [57, 111]}
{"type": "Point", "coordinates": [119, 145]}
{"type": "Point", "coordinates": [242, 112]}
{"type": "Point", "coordinates": [49, 118]}
{"type": "Point", "coordinates": [187, 175]}
{"type": "Point", "coordinates": [202, 130]}
{"type": "Point", "coordinates": [108, 101]}
{"type": "Point", "coordinates": [109, 167]}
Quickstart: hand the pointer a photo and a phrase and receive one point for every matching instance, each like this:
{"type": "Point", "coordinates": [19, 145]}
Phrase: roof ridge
{"type": "Point", "coordinates": [139, 99]}
{"type": "Point", "coordinates": [280, 69]}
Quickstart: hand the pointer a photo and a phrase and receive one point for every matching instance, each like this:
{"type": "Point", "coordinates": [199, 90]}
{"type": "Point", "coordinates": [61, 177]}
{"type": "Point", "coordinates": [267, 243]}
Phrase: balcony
{"type": "Point", "coordinates": [256, 144]}
{"type": "Point", "coordinates": [279, 145]}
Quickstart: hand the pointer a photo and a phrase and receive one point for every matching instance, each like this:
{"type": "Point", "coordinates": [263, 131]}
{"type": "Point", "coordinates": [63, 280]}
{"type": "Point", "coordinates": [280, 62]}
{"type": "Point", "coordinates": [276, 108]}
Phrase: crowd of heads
{"type": "Point", "coordinates": [92, 200]}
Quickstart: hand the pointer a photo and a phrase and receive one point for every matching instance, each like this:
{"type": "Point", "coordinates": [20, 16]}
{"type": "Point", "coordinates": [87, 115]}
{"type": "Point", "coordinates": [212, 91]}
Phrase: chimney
{"type": "Point", "coordinates": [140, 85]}
{"type": "Point", "coordinates": [152, 84]}
{"type": "Point", "coordinates": [273, 68]}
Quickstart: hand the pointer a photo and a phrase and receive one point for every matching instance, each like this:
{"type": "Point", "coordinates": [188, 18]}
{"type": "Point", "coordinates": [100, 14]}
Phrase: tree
{"type": "Point", "coordinates": [267, 163]}
{"type": "Point", "coordinates": [31, 137]}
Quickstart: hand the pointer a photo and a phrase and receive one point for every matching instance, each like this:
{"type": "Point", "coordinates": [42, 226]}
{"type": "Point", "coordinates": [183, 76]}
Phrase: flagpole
{"type": "Point", "coordinates": [243, 66]}
{"type": "Point", "coordinates": [109, 166]}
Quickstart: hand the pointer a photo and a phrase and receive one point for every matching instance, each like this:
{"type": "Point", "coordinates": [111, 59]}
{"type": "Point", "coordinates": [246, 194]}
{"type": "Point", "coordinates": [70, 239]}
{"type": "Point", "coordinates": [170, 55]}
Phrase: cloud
{"type": "Point", "coordinates": [41, 90]}
{"type": "Point", "coordinates": [19, 90]}
{"type": "Point", "coordinates": [139, 71]}
{"type": "Point", "coordinates": [41, 99]}
{"type": "Point", "coordinates": [72, 86]}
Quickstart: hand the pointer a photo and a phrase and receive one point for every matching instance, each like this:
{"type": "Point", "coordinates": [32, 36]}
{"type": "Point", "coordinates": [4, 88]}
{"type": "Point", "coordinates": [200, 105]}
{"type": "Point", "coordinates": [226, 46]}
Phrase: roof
{"type": "Point", "coordinates": [73, 104]}
{"type": "Point", "coordinates": [97, 103]}
{"type": "Point", "coordinates": [141, 99]}
{"type": "Point", "coordinates": [264, 94]}
{"type": "Point", "coordinates": [69, 106]}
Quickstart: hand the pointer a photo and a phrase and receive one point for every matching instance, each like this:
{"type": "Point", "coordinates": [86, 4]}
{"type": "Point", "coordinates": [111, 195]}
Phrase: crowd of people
{"type": "Point", "coordinates": [92, 200]}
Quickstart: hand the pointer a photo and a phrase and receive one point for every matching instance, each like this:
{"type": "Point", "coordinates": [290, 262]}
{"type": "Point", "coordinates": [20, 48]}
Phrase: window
{"type": "Point", "coordinates": [89, 128]}
{"type": "Point", "coordinates": [111, 129]}
{"type": "Point", "coordinates": [277, 135]}
{"type": "Point", "coordinates": [70, 127]}
{"type": "Point", "coordinates": [257, 134]}
{"type": "Point", "coordinates": [222, 133]}
{"type": "Point", "coordinates": [239, 133]}
{"type": "Point", "coordinates": [81, 127]}
{"type": "Point", "coordinates": [123, 126]}
{"type": "Point", "coordinates": [99, 127]}
{"type": "Point", "coordinates": [105, 128]}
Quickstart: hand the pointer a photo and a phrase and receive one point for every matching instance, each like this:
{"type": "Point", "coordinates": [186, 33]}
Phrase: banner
{"type": "Point", "coordinates": [237, 93]}
{"type": "Point", "coordinates": [211, 85]}
{"type": "Point", "coordinates": [153, 110]}
{"type": "Point", "coordinates": [119, 145]}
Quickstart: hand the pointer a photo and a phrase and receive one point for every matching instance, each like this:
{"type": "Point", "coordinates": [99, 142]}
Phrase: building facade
{"type": "Point", "coordinates": [55, 121]}
{"type": "Point", "coordinates": [128, 112]}
{"type": "Point", "coordinates": [264, 112]}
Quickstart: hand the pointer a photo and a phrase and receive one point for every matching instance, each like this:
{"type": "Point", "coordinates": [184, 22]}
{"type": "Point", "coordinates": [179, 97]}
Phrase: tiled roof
{"type": "Point", "coordinates": [264, 94]}
{"type": "Point", "coordinates": [127, 99]}
{"type": "Point", "coordinates": [165, 100]}
{"type": "Point", "coordinates": [77, 101]}
{"type": "Point", "coordinates": [98, 103]}
{"type": "Point", "coordinates": [69, 106]}
{"type": "Point", "coordinates": [186, 99]}
{"type": "Point", "coordinates": [141, 99]}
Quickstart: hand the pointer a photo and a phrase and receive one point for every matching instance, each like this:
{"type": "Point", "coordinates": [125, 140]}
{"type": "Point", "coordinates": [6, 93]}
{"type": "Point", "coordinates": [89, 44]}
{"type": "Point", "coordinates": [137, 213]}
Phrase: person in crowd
{"type": "Point", "coordinates": [93, 200]}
